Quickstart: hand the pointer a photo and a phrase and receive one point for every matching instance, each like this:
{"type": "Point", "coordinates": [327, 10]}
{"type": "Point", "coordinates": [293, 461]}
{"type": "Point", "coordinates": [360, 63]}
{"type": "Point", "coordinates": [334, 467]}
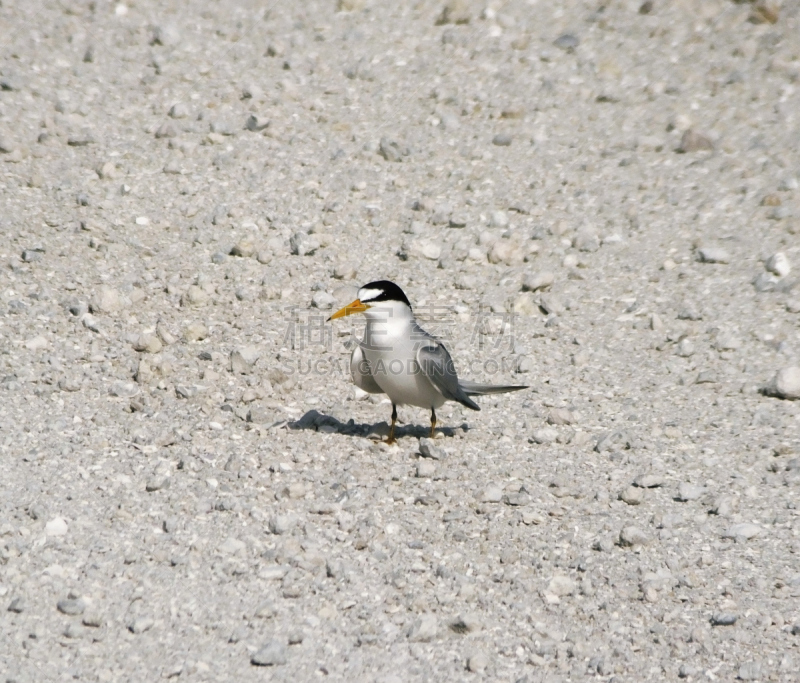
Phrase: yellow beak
{"type": "Point", "coordinates": [355, 307]}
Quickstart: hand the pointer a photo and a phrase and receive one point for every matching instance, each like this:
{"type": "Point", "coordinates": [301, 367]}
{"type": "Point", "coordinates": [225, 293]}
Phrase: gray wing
{"type": "Point", "coordinates": [361, 372]}
{"type": "Point", "coordinates": [437, 365]}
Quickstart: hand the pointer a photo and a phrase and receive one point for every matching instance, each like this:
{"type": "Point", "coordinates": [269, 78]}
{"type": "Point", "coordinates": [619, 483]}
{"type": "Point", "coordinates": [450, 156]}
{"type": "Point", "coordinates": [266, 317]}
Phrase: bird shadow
{"type": "Point", "coordinates": [315, 421]}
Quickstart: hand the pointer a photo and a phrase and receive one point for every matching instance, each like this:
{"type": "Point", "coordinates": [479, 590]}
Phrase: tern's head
{"type": "Point", "coordinates": [378, 300]}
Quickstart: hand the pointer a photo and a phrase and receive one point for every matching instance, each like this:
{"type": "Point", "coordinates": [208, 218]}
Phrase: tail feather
{"type": "Point", "coordinates": [478, 389]}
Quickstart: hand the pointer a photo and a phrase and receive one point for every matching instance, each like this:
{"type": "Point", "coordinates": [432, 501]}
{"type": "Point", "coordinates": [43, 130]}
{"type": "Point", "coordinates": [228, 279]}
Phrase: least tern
{"type": "Point", "coordinates": [400, 359]}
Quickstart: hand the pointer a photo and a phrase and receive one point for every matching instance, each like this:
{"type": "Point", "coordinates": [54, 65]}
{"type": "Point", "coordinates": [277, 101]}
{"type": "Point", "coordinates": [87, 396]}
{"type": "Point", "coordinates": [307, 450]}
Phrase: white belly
{"type": "Point", "coordinates": [398, 374]}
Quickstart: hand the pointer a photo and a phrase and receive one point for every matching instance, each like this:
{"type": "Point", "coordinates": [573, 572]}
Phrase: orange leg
{"type": "Point", "coordinates": [391, 438]}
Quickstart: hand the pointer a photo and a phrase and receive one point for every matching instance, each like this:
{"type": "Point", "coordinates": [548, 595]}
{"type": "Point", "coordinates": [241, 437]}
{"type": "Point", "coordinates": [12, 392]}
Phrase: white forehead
{"type": "Point", "coordinates": [367, 294]}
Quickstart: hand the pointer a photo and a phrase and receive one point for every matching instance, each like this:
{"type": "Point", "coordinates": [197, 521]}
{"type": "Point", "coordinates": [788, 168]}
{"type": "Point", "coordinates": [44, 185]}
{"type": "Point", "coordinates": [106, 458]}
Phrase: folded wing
{"type": "Point", "coordinates": [361, 372]}
{"type": "Point", "coordinates": [437, 365]}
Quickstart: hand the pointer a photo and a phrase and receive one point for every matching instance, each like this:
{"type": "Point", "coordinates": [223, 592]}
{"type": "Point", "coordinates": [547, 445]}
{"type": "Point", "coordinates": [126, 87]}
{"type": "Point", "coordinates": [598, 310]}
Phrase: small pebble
{"type": "Point", "coordinates": [477, 662]}
{"type": "Point", "coordinates": [7, 145]}
{"type": "Point", "coordinates": [37, 343]}
{"type": "Point", "coordinates": [195, 332]}
{"type": "Point", "coordinates": [688, 492]}
{"type": "Point", "coordinates": [423, 629]}
{"type": "Point", "coordinates": [493, 494]}
{"type": "Point", "coordinates": [751, 671]}
{"type": "Point", "coordinates": [166, 130]}
{"type": "Point", "coordinates": [17, 605]}
{"type": "Point", "coordinates": [586, 239]}
{"type": "Point", "coordinates": [535, 281]}
{"type": "Point", "coordinates": [166, 35]}
{"type": "Point", "coordinates": [561, 586]}
{"type": "Point", "coordinates": [649, 481]}
{"type": "Point", "coordinates": [689, 312]}
{"type": "Point", "coordinates": [685, 348]}
{"type": "Point", "coordinates": [179, 110]}
{"type": "Point", "coordinates": [323, 301]}
{"type": "Point", "coordinates": [147, 343]}
{"type": "Point", "coordinates": [713, 255]}
{"type": "Point", "coordinates": [345, 271]}
{"type": "Point", "coordinates": [425, 469]}
{"type": "Point", "coordinates": [81, 139]}
{"type": "Point", "coordinates": [723, 619]}
{"type": "Point", "coordinates": [544, 436]}
{"type": "Point", "coordinates": [282, 524]}
{"type": "Point", "coordinates": [633, 536]}
{"type": "Point", "coordinates": [195, 296]}
{"type": "Point", "coordinates": [785, 384]}
{"type": "Point", "coordinates": [107, 300]}
{"type": "Point", "coordinates": [123, 389]}
{"type": "Point", "coordinates": [742, 532]}
{"type": "Point", "coordinates": [466, 623]}
{"type": "Point", "coordinates": [56, 527]}
{"type": "Point", "coordinates": [430, 250]}
{"type": "Point", "coordinates": [498, 219]}
{"type": "Point", "coordinates": [156, 483]}
{"type": "Point", "coordinates": [632, 495]}
{"type": "Point", "coordinates": [243, 359]}
{"type": "Point", "coordinates": [71, 606]}
{"type": "Point", "coordinates": [244, 249]}
{"type": "Point", "coordinates": [72, 630]}
{"type": "Point", "coordinates": [32, 255]}
{"type": "Point", "coordinates": [255, 123]}
{"type": "Point", "coordinates": [723, 506]}
{"type": "Point", "coordinates": [92, 618]}
{"type": "Point", "coordinates": [429, 449]}
{"type": "Point", "coordinates": [260, 415]}
{"type": "Point", "coordinates": [391, 150]}
{"type": "Point", "coordinates": [560, 416]}
{"type": "Point", "coordinates": [232, 546]}
{"type": "Point", "coordinates": [90, 322]}
{"type": "Point", "coordinates": [141, 624]}
{"type": "Point", "coordinates": [694, 142]}
{"type": "Point", "coordinates": [612, 441]}
{"type": "Point", "coordinates": [567, 41]}
{"type": "Point", "coordinates": [303, 244]}
{"type": "Point", "coordinates": [727, 342]}
{"type": "Point", "coordinates": [778, 264]}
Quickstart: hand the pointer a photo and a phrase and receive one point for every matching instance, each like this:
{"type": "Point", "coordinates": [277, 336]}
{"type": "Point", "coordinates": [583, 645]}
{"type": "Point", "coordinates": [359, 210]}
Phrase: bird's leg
{"type": "Point", "coordinates": [391, 438]}
{"type": "Point", "coordinates": [433, 423]}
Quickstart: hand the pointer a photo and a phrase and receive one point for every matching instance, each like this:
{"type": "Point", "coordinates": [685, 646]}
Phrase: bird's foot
{"type": "Point", "coordinates": [390, 441]}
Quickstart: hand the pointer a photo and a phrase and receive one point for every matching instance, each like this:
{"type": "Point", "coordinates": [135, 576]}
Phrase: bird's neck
{"type": "Point", "coordinates": [385, 323]}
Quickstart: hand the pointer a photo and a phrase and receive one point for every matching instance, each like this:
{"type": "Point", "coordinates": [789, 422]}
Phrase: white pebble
{"type": "Point", "coordinates": [778, 264]}
{"type": "Point", "coordinates": [713, 255]}
{"type": "Point", "coordinates": [56, 527]}
{"type": "Point", "coordinates": [786, 383]}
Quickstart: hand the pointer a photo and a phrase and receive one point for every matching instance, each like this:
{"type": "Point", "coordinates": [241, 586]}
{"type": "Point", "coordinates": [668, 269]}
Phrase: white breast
{"type": "Point", "coordinates": [392, 355]}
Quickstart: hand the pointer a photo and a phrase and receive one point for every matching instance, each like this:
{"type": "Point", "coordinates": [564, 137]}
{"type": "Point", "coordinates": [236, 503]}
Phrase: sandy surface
{"type": "Point", "coordinates": [586, 198]}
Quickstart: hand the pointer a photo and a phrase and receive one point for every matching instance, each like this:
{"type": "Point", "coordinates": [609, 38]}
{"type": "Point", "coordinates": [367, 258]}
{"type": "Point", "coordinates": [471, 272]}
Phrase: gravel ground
{"type": "Point", "coordinates": [598, 200]}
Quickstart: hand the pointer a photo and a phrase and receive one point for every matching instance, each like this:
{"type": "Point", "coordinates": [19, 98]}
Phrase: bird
{"type": "Point", "coordinates": [400, 359]}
